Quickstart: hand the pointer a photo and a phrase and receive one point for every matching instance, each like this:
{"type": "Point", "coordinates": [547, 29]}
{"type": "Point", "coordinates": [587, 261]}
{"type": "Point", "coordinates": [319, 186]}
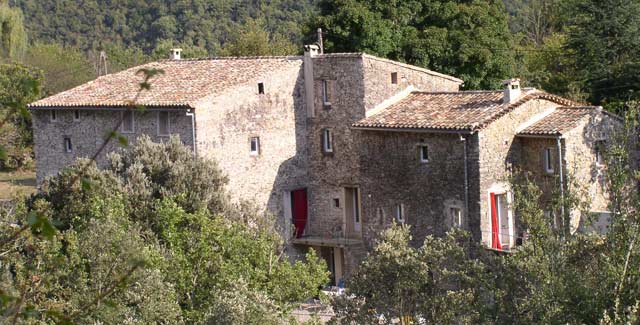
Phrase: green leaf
{"type": "Point", "coordinates": [86, 183]}
{"type": "Point", "coordinates": [123, 140]}
{"type": "Point", "coordinates": [3, 154]}
{"type": "Point", "coordinates": [32, 218]}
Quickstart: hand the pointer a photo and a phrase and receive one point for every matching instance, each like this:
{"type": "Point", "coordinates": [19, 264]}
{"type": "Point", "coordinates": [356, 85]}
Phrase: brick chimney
{"type": "Point", "coordinates": [511, 90]}
{"type": "Point", "coordinates": [176, 54]}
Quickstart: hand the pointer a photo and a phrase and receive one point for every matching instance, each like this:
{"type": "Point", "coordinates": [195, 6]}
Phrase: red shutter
{"type": "Point", "coordinates": [299, 207]}
{"type": "Point", "coordinates": [495, 235]}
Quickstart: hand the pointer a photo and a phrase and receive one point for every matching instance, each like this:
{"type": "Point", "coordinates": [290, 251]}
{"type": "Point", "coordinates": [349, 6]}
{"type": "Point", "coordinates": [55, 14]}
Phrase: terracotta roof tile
{"type": "Point", "coordinates": [453, 111]}
{"type": "Point", "coordinates": [559, 121]}
{"type": "Point", "coordinates": [183, 83]}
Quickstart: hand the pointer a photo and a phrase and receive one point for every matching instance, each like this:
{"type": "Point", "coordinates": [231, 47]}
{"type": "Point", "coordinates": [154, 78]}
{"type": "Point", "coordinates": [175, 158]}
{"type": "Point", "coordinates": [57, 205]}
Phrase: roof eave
{"type": "Point", "coordinates": [414, 130]}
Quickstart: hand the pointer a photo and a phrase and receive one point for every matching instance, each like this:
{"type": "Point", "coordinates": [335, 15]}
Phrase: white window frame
{"type": "Point", "coordinates": [255, 152]}
{"type": "Point", "coordinates": [421, 149]}
{"type": "Point", "coordinates": [400, 213]}
{"type": "Point", "coordinates": [133, 122]}
{"type": "Point", "coordinates": [457, 216]}
{"type": "Point", "coordinates": [53, 115]}
{"type": "Point", "coordinates": [158, 114]}
{"type": "Point", "coordinates": [548, 160]}
{"type": "Point", "coordinates": [326, 100]}
{"type": "Point", "coordinates": [327, 140]}
{"type": "Point", "coordinates": [76, 115]}
{"type": "Point", "coordinates": [68, 146]}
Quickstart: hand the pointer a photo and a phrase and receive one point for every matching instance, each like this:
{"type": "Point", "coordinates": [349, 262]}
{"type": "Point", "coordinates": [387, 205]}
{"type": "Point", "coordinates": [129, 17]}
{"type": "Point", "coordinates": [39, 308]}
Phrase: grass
{"type": "Point", "coordinates": [15, 183]}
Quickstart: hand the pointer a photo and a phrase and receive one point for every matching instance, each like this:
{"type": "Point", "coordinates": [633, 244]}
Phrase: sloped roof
{"type": "Point", "coordinates": [560, 121]}
{"type": "Point", "coordinates": [449, 111]}
{"type": "Point", "coordinates": [183, 83]}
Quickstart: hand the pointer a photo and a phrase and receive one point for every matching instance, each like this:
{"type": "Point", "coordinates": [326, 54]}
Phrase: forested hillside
{"type": "Point", "coordinates": [145, 24]}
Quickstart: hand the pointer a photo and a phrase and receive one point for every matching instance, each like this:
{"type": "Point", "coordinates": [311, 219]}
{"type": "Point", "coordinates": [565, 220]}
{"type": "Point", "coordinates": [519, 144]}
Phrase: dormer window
{"type": "Point", "coordinates": [261, 88]}
{"type": "Point", "coordinates": [394, 78]}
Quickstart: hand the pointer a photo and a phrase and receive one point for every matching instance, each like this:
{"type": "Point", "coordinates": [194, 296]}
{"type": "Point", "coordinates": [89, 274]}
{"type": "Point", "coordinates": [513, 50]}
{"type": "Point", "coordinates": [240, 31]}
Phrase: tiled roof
{"type": "Point", "coordinates": [559, 121]}
{"type": "Point", "coordinates": [183, 83]}
{"type": "Point", "coordinates": [449, 111]}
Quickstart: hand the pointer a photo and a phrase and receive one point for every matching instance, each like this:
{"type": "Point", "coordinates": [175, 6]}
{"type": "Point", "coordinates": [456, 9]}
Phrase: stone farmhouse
{"type": "Point", "coordinates": [340, 146]}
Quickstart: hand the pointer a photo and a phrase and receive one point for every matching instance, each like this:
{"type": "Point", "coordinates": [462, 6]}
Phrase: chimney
{"type": "Point", "coordinates": [309, 52]}
{"type": "Point", "coordinates": [511, 90]}
{"type": "Point", "coordinates": [176, 54]}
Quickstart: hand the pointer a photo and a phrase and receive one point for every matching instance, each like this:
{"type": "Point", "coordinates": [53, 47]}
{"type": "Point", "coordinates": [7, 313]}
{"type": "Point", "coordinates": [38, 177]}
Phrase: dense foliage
{"type": "Point", "coordinates": [153, 238]}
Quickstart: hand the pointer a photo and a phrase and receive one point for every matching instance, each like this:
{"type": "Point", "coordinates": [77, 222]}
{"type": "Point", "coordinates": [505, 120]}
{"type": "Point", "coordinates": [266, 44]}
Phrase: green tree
{"type": "Point", "coordinates": [63, 67]}
{"type": "Point", "coordinates": [467, 39]}
{"type": "Point", "coordinates": [253, 40]}
{"type": "Point", "coordinates": [13, 37]}
{"type": "Point", "coordinates": [19, 85]}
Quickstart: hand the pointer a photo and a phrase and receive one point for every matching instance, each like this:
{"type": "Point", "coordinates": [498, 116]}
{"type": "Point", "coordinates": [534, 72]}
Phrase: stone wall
{"type": "Point", "coordinates": [393, 174]}
{"type": "Point", "coordinates": [88, 133]}
{"type": "Point", "coordinates": [226, 122]}
{"type": "Point", "coordinates": [500, 150]}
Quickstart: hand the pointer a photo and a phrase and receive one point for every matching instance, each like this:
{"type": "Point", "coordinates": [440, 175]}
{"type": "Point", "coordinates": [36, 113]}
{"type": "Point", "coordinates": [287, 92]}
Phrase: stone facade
{"type": "Point", "coordinates": [89, 131]}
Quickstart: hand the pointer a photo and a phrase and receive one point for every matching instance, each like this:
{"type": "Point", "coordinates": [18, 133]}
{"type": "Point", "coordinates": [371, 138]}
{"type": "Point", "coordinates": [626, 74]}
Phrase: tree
{"type": "Point", "coordinates": [19, 85]}
{"type": "Point", "coordinates": [605, 37]}
{"type": "Point", "coordinates": [253, 40]}
{"type": "Point", "coordinates": [469, 40]}
{"type": "Point", "coordinates": [151, 238]}
{"type": "Point", "coordinates": [63, 67]}
{"type": "Point", "coordinates": [13, 38]}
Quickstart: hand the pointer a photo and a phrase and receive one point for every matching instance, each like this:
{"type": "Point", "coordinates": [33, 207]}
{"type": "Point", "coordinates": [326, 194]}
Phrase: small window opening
{"type": "Point", "coordinates": [163, 123]}
{"type": "Point", "coordinates": [327, 140]}
{"type": "Point", "coordinates": [336, 203]}
{"type": "Point", "coordinates": [128, 122]}
{"type": "Point", "coordinates": [261, 88]}
{"type": "Point", "coordinates": [394, 78]}
{"type": "Point", "coordinates": [326, 98]}
{"type": "Point", "coordinates": [76, 115]}
{"type": "Point", "coordinates": [68, 147]}
{"type": "Point", "coordinates": [54, 115]}
{"type": "Point", "coordinates": [400, 213]}
{"type": "Point", "coordinates": [456, 217]}
{"type": "Point", "coordinates": [255, 146]}
{"type": "Point", "coordinates": [424, 153]}
{"type": "Point", "coordinates": [599, 151]}
{"type": "Point", "coordinates": [548, 160]}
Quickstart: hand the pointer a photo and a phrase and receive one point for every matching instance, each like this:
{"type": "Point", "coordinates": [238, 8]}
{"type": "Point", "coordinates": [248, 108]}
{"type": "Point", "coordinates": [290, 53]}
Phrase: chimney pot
{"type": "Point", "coordinates": [311, 50]}
{"type": "Point", "coordinates": [511, 90]}
{"type": "Point", "coordinates": [176, 54]}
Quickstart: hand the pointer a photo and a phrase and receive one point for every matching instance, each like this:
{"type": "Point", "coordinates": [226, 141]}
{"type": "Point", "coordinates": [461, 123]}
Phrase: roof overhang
{"type": "Point", "coordinates": [110, 107]}
{"type": "Point", "coordinates": [540, 136]}
{"type": "Point", "coordinates": [414, 130]}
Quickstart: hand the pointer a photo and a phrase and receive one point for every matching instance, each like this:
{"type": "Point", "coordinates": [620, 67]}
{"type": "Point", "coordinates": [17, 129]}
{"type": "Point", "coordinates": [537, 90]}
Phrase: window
{"type": "Point", "coordinates": [163, 123]}
{"type": "Point", "coordinates": [336, 203]}
{"type": "Point", "coordinates": [54, 115]}
{"type": "Point", "coordinates": [356, 205]}
{"type": "Point", "coordinates": [68, 147]}
{"type": "Point", "coordinates": [327, 141]}
{"type": "Point", "coordinates": [255, 146]}
{"type": "Point", "coordinates": [76, 115]}
{"type": "Point", "coordinates": [455, 214]}
{"type": "Point", "coordinates": [394, 78]}
{"type": "Point", "coordinates": [261, 88]}
{"type": "Point", "coordinates": [548, 160]}
{"type": "Point", "coordinates": [423, 152]}
{"type": "Point", "coordinates": [326, 98]}
{"type": "Point", "coordinates": [400, 213]}
{"type": "Point", "coordinates": [128, 122]}
{"type": "Point", "coordinates": [599, 151]}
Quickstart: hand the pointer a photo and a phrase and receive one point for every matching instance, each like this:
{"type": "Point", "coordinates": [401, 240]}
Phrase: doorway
{"type": "Point", "coordinates": [353, 215]}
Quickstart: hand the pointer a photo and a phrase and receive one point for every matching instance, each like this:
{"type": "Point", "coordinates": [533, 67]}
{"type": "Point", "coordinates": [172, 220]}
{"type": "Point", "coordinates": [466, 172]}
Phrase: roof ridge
{"type": "Point", "coordinates": [215, 58]}
{"type": "Point", "coordinates": [457, 92]}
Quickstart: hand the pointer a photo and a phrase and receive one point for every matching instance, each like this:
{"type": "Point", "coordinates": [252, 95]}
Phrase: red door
{"type": "Point", "coordinates": [495, 228]}
{"type": "Point", "coordinates": [299, 208]}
